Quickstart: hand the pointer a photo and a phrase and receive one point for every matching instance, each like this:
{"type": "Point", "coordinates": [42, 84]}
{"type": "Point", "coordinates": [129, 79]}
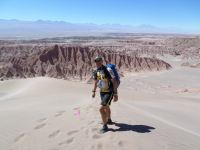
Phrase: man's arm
{"type": "Point", "coordinates": [114, 82]}
{"type": "Point", "coordinates": [94, 76]}
{"type": "Point", "coordinates": [95, 85]}
{"type": "Point", "coordinates": [94, 89]}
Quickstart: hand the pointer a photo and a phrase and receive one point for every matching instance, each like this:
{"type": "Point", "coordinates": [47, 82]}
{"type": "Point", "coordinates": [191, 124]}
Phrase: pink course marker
{"type": "Point", "coordinates": [77, 112]}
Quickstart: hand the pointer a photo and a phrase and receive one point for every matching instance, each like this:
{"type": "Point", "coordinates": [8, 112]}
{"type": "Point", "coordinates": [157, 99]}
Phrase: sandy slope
{"type": "Point", "coordinates": [155, 112]}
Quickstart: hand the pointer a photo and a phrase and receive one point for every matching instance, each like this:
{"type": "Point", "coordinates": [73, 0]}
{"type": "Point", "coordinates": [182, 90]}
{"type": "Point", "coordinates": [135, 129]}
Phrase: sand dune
{"type": "Point", "coordinates": [53, 114]}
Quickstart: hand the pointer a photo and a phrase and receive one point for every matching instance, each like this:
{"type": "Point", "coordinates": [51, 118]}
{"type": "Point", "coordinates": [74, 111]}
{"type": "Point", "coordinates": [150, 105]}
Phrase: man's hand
{"type": "Point", "coordinates": [115, 97]}
{"type": "Point", "coordinates": [93, 94]}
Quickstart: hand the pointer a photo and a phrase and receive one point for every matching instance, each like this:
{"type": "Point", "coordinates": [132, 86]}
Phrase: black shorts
{"type": "Point", "coordinates": [106, 98]}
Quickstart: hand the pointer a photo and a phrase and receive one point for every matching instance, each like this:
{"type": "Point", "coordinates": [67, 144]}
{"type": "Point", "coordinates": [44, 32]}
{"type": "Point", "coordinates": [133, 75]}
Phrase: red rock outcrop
{"type": "Point", "coordinates": [70, 62]}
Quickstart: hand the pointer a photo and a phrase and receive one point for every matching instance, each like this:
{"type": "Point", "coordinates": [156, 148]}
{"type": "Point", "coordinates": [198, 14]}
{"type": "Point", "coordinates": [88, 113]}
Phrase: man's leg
{"type": "Point", "coordinates": [110, 97]}
{"type": "Point", "coordinates": [109, 116]}
{"type": "Point", "coordinates": [109, 112]}
{"type": "Point", "coordinates": [104, 113]}
{"type": "Point", "coordinates": [104, 109]}
{"type": "Point", "coordinates": [104, 116]}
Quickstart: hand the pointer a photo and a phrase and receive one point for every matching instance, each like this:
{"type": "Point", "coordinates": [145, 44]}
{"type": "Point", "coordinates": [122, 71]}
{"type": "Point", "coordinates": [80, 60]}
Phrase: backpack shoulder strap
{"type": "Point", "coordinates": [107, 73]}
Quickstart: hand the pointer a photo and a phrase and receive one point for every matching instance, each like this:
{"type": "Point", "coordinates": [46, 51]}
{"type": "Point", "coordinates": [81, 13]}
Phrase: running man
{"type": "Point", "coordinates": [108, 90]}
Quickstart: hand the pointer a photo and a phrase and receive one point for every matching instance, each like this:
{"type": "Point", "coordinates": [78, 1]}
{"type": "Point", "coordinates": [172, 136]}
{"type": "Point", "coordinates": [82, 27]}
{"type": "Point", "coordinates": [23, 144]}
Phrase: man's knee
{"type": "Point", "coordinates": [102, 109]}
{"type": "Point", "coordinates": [109, 110]}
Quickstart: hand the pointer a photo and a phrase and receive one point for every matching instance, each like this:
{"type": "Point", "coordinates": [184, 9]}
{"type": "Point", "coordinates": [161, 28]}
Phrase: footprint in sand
{"type": "Point", "coordinates": [95, 136]}
{"type": "Point", "coordinates": [99, 146]}
{"type": "Point", "coordinates": [72, 132]}
{"type": "Point", "coordinates": [82, 128]}
{"type": "Point", "coordinates": [40, 126]}
{"type": "Point", "coordinates": [86, 131]}
{"type": "Point", "coordinates": [94, 129]}
{"type": "Point", "coordinates": [66, 141]}
{"type": "Point", "coordinates": [120, 144]}
{"type": "Point", "coordinates": [41, 120]}
{"type": "Point", "coordinates": [19, 137]}
{"type": "Point", "coordinates": [54, 134]}
{"type": "Point", "coordinates": [91, 122]}
{"type": "Point", "coordinates": [59, 113]}
{"type": "Point", "coordinates": [92, 147]}
{"type": "Point", "coordinates": [53, 149]}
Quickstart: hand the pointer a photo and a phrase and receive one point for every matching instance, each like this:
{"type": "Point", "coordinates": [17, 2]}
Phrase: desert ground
{"type": "Point", "coordinates": [156, 110]}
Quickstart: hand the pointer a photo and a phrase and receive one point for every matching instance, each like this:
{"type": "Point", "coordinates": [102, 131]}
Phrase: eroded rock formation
{"type": "Point", "coordinates": [72, 62]}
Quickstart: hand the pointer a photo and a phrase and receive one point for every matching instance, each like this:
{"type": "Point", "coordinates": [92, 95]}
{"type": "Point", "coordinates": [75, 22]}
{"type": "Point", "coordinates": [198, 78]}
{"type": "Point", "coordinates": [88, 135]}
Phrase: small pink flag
{"type": "Point", "coordinates": [77, 112]}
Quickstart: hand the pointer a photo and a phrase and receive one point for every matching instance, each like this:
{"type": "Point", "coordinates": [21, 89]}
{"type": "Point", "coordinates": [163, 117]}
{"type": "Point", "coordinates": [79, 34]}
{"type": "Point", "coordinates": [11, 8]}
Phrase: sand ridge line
{"type": "Point", "coordinates": [160, 119]}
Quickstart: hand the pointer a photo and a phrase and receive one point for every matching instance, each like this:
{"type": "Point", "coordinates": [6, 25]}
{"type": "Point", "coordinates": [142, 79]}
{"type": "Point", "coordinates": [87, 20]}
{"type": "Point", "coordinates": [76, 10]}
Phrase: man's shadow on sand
{"type": "Point", "coordinates": [135, 128]}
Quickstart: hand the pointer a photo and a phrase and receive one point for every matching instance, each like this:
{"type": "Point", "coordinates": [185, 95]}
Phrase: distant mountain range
{"type": "Point", "coordinates": [44, 28]}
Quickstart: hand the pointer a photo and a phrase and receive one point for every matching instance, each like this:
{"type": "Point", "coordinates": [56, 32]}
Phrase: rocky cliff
{"type": "Point", "coordinates": [72, 62]}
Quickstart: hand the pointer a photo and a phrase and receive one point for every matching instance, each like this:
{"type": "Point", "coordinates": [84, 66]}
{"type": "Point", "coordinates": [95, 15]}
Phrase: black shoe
{"type": "Point", "coordinates": [104, 129]}
{"type": "Point", "coordinates": [110, 122]}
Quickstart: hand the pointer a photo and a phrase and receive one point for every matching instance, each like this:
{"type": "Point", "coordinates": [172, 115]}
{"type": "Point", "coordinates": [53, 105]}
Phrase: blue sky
{"type": "Point", "coordinates": [161, 13]}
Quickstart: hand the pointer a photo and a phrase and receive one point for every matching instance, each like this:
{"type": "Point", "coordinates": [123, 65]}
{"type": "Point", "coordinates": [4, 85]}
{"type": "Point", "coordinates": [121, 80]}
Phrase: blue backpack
{"type": "Point", "coordinates": [117, 77]}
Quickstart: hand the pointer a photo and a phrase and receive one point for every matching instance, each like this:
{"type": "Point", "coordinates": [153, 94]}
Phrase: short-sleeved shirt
{"type": "Point", "coordinates": [104, 79]}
